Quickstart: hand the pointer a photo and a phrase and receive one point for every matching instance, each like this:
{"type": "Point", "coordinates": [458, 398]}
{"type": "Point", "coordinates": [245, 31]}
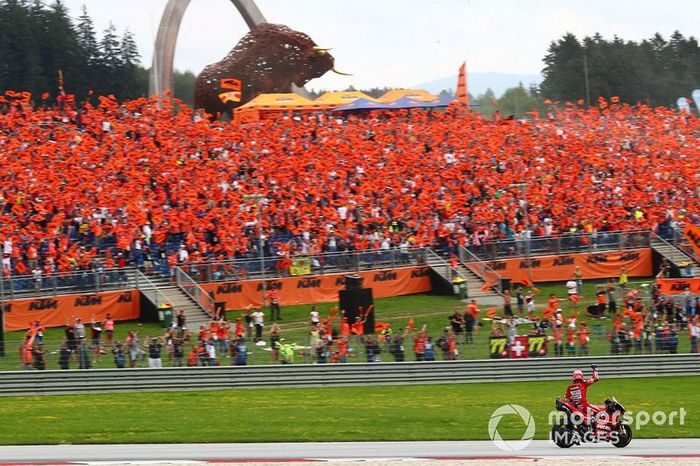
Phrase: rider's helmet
{"type": "Point", "coordinates": [577, 375]}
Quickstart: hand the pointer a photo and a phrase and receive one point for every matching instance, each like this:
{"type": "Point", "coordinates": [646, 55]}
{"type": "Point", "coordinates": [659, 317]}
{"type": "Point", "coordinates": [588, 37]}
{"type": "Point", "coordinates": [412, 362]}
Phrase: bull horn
{"type": "Point", "coordinates": [340, 72]}
{"type": "Point", "coordinates": [321, 49]}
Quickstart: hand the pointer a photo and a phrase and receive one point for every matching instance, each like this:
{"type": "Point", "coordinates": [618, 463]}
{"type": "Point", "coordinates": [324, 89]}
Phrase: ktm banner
{"type": "Point", "coordinates": [678, 286]}
{"type": "Point", "coordinates": [561, 268]}
{"type": "Point", "coordinates": [692, 232]}
{"type": "Point", "coordinates": [54, 311]}
{"type": "Point", "coordinates": [319, 288]}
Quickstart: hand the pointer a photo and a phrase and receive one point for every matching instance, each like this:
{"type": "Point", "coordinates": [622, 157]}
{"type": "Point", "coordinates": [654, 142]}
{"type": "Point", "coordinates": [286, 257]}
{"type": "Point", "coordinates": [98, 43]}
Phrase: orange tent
{"type": "Point", "coordinates": [265, 104]}
{"type": "Point", "coordinates": [336, 99]}
{"type": "Point", "coordinates": [415, 94]}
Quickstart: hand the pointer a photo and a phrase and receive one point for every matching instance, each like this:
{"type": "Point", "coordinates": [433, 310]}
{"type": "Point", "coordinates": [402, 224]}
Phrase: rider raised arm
{"type": "Point", "coordinates": [576, 392]}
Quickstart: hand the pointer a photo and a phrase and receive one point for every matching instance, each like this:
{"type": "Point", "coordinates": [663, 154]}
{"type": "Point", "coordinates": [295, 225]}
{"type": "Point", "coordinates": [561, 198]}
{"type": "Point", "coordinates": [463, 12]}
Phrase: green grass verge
{"type": "Point", "coordinates": [424, 412]}
{"type": "Point", "coordinates": [425, 309]}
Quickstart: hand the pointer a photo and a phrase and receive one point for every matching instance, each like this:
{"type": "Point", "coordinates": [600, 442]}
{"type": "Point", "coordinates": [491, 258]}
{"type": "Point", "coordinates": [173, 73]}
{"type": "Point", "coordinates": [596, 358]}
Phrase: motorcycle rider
{"type": "Point", "coordinates": [576, 392]}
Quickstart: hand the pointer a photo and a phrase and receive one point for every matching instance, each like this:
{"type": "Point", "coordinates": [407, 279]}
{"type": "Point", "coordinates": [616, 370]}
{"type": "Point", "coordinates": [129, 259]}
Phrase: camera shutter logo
{"type": "Point", "coordinates": [511, 445]}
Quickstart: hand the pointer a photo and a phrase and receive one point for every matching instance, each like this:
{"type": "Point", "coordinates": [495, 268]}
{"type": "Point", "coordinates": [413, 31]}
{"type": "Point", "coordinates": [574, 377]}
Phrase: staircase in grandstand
{"type": "Point", "coordinates": [163, 290]}
{"type": "Point", "coordinates": [688, 266]}
{"type": "Point", "coordinates": [476, 288]}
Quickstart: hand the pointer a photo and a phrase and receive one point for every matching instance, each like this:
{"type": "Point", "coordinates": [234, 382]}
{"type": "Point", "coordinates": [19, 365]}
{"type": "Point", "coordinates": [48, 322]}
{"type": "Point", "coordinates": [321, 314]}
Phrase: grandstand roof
{"type": "Point", "coordinates": [415, 94]}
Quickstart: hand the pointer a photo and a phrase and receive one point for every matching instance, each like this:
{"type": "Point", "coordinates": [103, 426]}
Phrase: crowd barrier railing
{"type": "Point", "coordinates": [77, 281]}
{"type": "Point", "coordinates": [561, 244]}
{"type": "Point", "coordinates": [354, 374]}
{"type": "Point", "coordinates": [194, 291]}
{"type": "Point", "coordinates": [304, 264]}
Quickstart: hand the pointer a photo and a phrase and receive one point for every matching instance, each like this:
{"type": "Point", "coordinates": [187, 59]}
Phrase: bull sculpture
{"type": "Point", "coordinates": [269, 59]}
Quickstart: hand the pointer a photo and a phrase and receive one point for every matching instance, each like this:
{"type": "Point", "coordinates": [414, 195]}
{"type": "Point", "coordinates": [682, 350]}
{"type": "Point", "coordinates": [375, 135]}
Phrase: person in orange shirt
{"type": "Point", "coordinates": [583, 339]}
{"type": "Point", "coordinates": [571, 339]}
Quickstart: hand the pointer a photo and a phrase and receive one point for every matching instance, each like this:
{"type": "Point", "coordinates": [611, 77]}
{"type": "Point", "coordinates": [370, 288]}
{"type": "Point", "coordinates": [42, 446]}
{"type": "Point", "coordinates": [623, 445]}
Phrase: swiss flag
{"type": "Point", "coordinates": [518, 349]}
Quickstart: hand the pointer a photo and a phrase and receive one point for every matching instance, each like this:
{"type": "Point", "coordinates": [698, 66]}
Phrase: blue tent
{"type": "Point", "coordinates": [362, 104]}
{"type": "Point", "coordinates": [407, 102]}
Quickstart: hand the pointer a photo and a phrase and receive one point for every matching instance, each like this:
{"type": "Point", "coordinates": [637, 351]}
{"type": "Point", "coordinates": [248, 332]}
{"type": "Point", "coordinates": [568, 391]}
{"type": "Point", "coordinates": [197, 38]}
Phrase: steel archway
{"type": "Point", "coordinates": [161, 75]}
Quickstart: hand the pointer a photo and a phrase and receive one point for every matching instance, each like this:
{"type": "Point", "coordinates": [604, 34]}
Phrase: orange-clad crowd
{"type": "Point", "coordinates": [136, 177]}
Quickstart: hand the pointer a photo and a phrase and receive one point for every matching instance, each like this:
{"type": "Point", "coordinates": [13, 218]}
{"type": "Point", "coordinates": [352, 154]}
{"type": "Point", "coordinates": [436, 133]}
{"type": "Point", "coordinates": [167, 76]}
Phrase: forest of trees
{"type": "Point", "coordinates": [655, 71]}
{"type": "Point", "coordinates": [37, 39]}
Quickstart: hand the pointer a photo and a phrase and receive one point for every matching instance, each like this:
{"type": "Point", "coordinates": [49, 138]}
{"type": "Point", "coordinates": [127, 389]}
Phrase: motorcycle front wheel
{"type": "Point", "coordinates": [562, 436]}
{"type": "Point", "coordinates": [624, 436]}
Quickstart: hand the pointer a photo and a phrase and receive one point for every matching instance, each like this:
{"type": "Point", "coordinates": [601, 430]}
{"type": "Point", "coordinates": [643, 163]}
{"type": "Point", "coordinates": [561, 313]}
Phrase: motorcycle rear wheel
{"type": "Point", "coordinates": [624, 436]}
{"type": "Point", "coordinates": [562, 436]}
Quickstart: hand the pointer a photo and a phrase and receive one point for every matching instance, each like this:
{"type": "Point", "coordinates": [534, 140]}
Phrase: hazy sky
{"type": "Point", "coordinates": [402, 42]}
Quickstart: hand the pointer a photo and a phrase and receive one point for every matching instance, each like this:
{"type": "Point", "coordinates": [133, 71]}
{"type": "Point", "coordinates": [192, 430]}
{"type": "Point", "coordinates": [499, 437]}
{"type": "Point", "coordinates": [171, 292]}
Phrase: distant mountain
{"type": "Point", "coordinates": [479, 82]}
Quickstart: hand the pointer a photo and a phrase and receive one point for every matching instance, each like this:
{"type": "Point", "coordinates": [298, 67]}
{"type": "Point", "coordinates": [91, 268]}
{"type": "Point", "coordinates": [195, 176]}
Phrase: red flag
{"type": "Point", "coordinates": [462, 95]}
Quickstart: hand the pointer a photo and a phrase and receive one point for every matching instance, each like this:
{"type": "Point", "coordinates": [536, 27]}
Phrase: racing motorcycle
{"type": "Point", "coordinates": [603, 424]}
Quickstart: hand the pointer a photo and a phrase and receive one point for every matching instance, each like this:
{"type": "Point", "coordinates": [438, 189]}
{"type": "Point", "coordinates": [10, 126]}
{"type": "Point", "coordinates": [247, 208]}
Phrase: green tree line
{"type": "Point", "coordinates": [37, 40]}
{"type": "Point", "coordinates": [655, 71]}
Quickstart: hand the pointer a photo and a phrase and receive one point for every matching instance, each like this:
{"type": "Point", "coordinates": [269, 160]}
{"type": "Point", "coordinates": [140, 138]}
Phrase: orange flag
{"type": "Point", "coordinates": [462, 95]}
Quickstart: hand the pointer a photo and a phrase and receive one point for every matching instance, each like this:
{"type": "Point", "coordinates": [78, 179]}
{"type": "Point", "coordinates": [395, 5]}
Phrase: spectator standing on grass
{"type": "Point", "coordinates": [241, 358]}
{"type": "Point", "coordinates": [38, 357]}
{"type": "Point", "coordinates": [578, 277]}
{"type": "Point", "coordinates": [520, 300]}
{"type": "Point", "coordinates": [178, 351]}
{"type": "Point", "coordinates": [132, 344]}
{"type": "Point", "coordinates": [623, 279]}
{"type": "Point", "coordinates": [211, 352]}
{"type": "Point", "coordinates": [530, 304]}
{"type": "Point", "coordinates": [274, 342]}
{"type": "Point", "coordinates": [95, 334]}
{"type": "Point", "coordinates": [259, 321]}
{"type": "Point", "coordinates": [471, 322]}
{"type": "Point", "coordinates": [154, 348]}
{"type": "Point", "coordinates": [109, 328]}
{"type": "Point", "coordinates": [83, 356]}
{"type": "Point", "coordinates": [181, 319]}
{"type": "Point", "coordinates": [611, 299]}
{"type": "Point", "coordinates": [572, 291]}
{"type": "Point", "coordinates": [79, 329]}
{"type": "Point", "coordinates": [64, 357]}
{"type": "Point", "coordinates": [429, 350]}
{"type": "Point", "coordinates": [119, 356]}
{"type": "Point", "coordinates": [583, 339]}
{"type": "Point", "coordinates": [457, 322]}
{"type": "Point", "coordinates": [397, 349]}
{"type": "Point", "coordinates": [314, 316]}
{"type": "Point", "coordinates": [601, 298]}
{"type": "Point", "coordinates": [274, 300]}
{"type": "Point", "coordinates": [507, 303]}
{"type": "Point", "coordinates": [25, 350]}
{"type": "Point", "coordinates": [286, 351]}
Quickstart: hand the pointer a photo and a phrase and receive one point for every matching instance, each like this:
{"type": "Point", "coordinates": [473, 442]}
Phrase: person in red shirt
{"type": "Point", "coordinates": [344, 326]}
{"type": "Point", "coordinates": [358, 327]}
{"type": "Point", "coordinates": [341, 355]}
{"type": "Point", "coordinates": [576, 392]}
{"type": "Point", "coordinates": [274, 300]}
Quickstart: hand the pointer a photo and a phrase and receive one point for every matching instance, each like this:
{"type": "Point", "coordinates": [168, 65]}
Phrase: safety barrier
{"type": "Point", "coordinates": [307, 375]}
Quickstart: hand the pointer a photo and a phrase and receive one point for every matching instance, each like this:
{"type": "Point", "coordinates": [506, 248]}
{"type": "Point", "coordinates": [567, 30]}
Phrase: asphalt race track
{"type": "Point", "coordinates": [336, 451]}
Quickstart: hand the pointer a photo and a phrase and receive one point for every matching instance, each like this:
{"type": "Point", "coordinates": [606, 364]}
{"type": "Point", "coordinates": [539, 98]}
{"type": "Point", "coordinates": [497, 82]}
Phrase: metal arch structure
{"type": "Point", "coordinates": [161, 75]}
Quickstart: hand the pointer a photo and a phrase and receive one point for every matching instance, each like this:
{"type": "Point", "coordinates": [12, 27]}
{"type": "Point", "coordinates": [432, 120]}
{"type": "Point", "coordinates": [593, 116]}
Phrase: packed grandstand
{"type": "Point", "coordinates": [135, 177]}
